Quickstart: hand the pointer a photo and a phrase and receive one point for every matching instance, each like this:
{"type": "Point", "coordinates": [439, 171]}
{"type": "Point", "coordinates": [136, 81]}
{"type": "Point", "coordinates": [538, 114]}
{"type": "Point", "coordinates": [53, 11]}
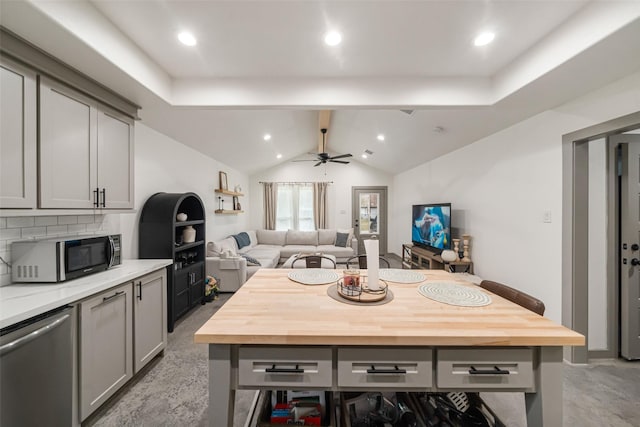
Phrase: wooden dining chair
{"type": "Point", "coordinates": [362, 261]}
{"type": "Point", "coordinates": [514, 295]}
{"type": "Point", "coordinates": [314, 261]}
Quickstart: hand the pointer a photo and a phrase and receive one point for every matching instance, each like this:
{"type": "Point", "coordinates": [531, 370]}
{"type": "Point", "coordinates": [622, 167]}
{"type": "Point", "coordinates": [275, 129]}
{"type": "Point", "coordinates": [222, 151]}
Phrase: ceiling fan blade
{"type": "Point", "coordinates": [339, 161]}
{"type": "Point", "coordinates": [318, 164]}
{"type": "Point", "coordinates": [342, 156]}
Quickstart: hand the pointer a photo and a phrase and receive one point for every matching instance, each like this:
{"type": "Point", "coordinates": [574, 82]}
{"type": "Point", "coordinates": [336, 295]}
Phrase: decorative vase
{"type": "Point", "coordinates": [188, 234]}
{"type": "Point", "coordinates": [237, 189]}
{"type": "Point", "coordinates": [448, 255]}
{"type": "Point", "coordinates": [181, 216]}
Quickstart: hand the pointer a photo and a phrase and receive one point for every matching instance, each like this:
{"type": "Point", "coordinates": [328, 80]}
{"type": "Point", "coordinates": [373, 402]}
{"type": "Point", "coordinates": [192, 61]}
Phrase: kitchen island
{"type": "Point", "coordinates": [278, 334]}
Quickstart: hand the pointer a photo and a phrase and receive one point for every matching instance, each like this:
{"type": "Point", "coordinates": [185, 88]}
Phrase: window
{"type": "Point", "coordinates": [295, 207]}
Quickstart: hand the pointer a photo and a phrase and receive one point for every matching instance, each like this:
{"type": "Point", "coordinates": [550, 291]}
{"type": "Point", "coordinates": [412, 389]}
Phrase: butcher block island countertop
{"type": "Point", "coordinates": [272, 309]}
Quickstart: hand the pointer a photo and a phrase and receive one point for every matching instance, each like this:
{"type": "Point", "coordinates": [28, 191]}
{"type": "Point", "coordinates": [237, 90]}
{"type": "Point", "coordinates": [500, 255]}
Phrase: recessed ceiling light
{"type": "Point", "coordinates": [333, 38]}
{"type": "Point", "coordinates": [364, 156]}
{"type": "Point", "coordinates": [266, 137]}
{"type": "Point", "coordinates": [279, 156]}
{"type": "Point", "coordinates": [380, 137]}
{"type": "Point", "coordinates": [187, 38]}
{"type": "Point", "coordinates": [484, 38]}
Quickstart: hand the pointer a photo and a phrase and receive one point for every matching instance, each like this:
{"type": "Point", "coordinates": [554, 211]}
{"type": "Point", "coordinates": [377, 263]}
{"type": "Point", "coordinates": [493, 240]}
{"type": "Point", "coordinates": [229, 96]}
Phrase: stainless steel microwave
{"type": "Point", "coordinates": [63, 258]}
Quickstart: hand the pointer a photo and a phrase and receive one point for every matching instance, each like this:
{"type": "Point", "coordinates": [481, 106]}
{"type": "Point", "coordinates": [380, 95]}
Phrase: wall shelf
{"type": "Point", "coordinates": [228, 193]}
{"type": "Point", "coordinates": [228, 212]}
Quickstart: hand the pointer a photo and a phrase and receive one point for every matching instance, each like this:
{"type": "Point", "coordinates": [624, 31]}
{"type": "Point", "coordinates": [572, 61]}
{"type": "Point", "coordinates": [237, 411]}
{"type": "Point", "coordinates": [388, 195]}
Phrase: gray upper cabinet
{"type": "Point", "coordinates": [17, 136]}
{"type": "Point", "coordinates": [86, 152]}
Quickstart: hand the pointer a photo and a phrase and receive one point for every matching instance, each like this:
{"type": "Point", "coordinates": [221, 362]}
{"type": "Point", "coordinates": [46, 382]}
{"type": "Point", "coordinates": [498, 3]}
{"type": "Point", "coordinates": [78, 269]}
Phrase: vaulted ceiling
{"type": "Point", "coordinates": [405, 69]}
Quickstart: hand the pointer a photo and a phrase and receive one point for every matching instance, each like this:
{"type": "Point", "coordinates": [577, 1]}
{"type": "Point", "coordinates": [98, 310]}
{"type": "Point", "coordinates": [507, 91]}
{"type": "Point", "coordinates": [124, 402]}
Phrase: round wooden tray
{"type": "Point", "coordinates": [362, 293]}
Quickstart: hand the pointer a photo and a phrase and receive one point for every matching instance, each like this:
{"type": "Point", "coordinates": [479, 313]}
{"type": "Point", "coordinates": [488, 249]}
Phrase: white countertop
{"type": "Point", "coordinates": [21, 301]}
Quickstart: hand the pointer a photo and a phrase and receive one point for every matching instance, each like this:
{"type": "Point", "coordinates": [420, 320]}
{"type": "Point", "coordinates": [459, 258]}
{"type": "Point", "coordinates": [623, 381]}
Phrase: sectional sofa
{"type": "Point", "coordinates": [234, 259]}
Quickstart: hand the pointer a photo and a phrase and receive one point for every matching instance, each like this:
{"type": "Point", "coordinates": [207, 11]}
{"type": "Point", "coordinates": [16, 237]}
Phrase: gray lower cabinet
{"type": "Point", "coordinates": [106, 350]}
{"type": "Point", "coordinates": [121, 330]}
{"type": "Point", "coordinates": [149, 317]}
{"type": "Point", "coordinates": [17, 136]}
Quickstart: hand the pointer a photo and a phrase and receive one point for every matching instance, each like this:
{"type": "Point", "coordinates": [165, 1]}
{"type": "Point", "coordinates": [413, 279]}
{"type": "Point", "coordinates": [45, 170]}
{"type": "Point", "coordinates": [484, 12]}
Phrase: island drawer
{"type": "Point", "coordinates": [484, 369]}
{"type": "Point", "coordinates": [373, 368]}
{"type": "Point", "coordinates": [284, 366]}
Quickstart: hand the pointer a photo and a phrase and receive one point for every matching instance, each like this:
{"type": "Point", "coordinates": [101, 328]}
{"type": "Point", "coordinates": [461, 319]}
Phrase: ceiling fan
{"type": "Point", "coordinates": [324, 157]}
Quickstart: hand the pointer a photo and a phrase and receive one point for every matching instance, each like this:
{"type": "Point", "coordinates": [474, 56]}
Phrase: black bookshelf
{"type": "Point", "coordinates": [160, 236]}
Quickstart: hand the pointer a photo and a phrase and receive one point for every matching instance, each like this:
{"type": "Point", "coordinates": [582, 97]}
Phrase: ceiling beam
{"type": "Point", "coordinates": [324, 119]}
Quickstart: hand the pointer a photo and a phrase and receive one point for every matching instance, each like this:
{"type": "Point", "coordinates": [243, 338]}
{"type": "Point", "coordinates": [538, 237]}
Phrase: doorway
{"type": "Point", "coordinates": [369, 210]}
{"type": "Point", "coordinates": [576, 236]}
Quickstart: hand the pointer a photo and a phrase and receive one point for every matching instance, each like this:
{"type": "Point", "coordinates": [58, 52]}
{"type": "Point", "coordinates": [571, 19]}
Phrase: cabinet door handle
{"type": "Point", "coordinates": [95, 198]}
{"type": "Point", "coordinates": [117, 294]}
{"type": "Point", "coordinates": [275, 370]}
{"type": "Point", "coordinates": [494, 371]}
{"type": "Point", "coordinates": [104, 197]}
{"type": "Point", "coordinates": [140, 290]}
{"type": "Point", "coordinates": [396, 370]}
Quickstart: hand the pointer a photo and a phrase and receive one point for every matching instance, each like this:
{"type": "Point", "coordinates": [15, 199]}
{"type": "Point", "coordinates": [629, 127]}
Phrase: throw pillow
{"type": "Point", "coordinates": [342, 239]}
{"type": "Point", "coordinates": [242, 239]}
{"type": "Point", "coordinates": [251, 260]}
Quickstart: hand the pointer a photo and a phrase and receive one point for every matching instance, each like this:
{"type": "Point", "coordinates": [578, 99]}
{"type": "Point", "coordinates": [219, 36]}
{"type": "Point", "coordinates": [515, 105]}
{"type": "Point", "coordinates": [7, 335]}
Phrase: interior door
{"type": "Point", "coordinates": [369, 210]}
{"type": "Point", "coordinates": [630, 245]}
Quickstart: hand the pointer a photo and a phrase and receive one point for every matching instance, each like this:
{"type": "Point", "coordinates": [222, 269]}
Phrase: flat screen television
{"type": "Point", "coordinates": [431, 226]}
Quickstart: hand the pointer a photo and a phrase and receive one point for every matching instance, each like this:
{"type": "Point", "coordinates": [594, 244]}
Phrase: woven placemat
{"type": "Point", "coordinates": [314, 276]}
{"type": "Point", "coordinates": [398, 275]}
{"type": "Point", "coordinates": [332, 291]}
{"type": "Point", "coordinates": [454, 294]}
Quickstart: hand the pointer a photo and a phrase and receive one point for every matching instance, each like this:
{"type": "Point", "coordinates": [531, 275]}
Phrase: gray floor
{"type": "Point", "coordinates": [173, 390]}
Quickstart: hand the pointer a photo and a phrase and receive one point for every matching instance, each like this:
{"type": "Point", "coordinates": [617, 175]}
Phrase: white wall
{"type": "Point", "coordinates": [500, 187]}
{"type": "Point", "coordinates": [339, 195]}
{"type": "Point", "coordinates": [165, 165]}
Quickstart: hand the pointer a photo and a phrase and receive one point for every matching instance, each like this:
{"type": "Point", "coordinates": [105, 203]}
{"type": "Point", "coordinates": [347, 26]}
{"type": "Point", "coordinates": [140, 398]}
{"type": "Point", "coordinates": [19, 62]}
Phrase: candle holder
{"type": "Point", "coordinates": [466, 256]}
{"type": "Point", "coordinates": [456, 247]}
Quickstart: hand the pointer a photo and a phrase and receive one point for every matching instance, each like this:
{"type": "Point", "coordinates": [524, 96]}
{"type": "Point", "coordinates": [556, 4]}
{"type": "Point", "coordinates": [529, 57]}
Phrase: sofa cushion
{"type": "Point", "coordinates": [295, 237]}
{"type": "Point", "coordinates": [242, 239]}
{"type": "Point", "coordinates": [271, 237]}
{"type": "Point", "coordinates": [268, 257]}
{"type": "Point", "coordinates": [339, 253]}
{"type": "Point", "coordinates": [251, 260]}
{"type": "Point", "coordinates": [219, 246]}
{"type": "Point", "coordinates": [327, 236]}
{"type": "Point", "coordinates": [342, 239]}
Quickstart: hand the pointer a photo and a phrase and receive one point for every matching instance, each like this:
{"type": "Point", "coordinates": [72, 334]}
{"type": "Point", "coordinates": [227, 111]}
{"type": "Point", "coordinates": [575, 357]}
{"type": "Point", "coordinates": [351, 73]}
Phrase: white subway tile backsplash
{"type": "Point", "coordinates": [89, 219]}
{"type": "Point", "coordinates": [10, 234]}
{"type": "Point", "coordinates": [20, 221]}
{"type": "Point", "coordinates": [77, 228]}
{"type": "Point", "coordinates": [56, 230]}
{"type": "Point", "coordinates": [46, 220]}
{"type": "Point", "coordinates": [68, 219]}
{"type": "Point", "coordinates": [3, 222]}
{"type": "Point", "coordinates": [32, 232]}
{"type": "Point", "coordinates": [94, 227]}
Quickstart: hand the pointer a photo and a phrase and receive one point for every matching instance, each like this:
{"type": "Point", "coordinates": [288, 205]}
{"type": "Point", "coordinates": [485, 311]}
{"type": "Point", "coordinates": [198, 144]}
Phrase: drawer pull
{"type": "Point", "coordinates": [275, 370]}
{"type": "Point", "coordinates": [396, 370]}
{"type": "Point", "coordinates": [494, 371]}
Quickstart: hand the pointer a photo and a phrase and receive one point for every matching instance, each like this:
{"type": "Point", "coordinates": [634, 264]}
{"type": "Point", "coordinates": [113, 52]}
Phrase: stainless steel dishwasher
{"type": "Point", "coordinates": [36, 371]}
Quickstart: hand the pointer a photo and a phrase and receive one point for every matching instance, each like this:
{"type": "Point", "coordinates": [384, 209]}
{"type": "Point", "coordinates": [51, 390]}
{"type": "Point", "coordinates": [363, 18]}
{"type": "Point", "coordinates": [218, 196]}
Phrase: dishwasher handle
{"type": "Point", "coordinates": [17, 343]}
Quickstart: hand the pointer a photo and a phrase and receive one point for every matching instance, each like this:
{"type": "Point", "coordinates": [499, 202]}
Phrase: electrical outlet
{"type": "Point", "coordinates": [546, 216]}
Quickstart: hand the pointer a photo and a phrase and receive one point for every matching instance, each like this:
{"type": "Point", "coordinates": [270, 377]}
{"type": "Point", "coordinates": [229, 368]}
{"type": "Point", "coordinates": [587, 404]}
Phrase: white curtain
{"type": "Point", "coordinates": [294, 207]}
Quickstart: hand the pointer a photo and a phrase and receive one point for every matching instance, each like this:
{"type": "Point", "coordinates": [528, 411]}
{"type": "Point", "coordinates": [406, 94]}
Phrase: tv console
{"type": "Point", "coordinates": [421, 258]}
